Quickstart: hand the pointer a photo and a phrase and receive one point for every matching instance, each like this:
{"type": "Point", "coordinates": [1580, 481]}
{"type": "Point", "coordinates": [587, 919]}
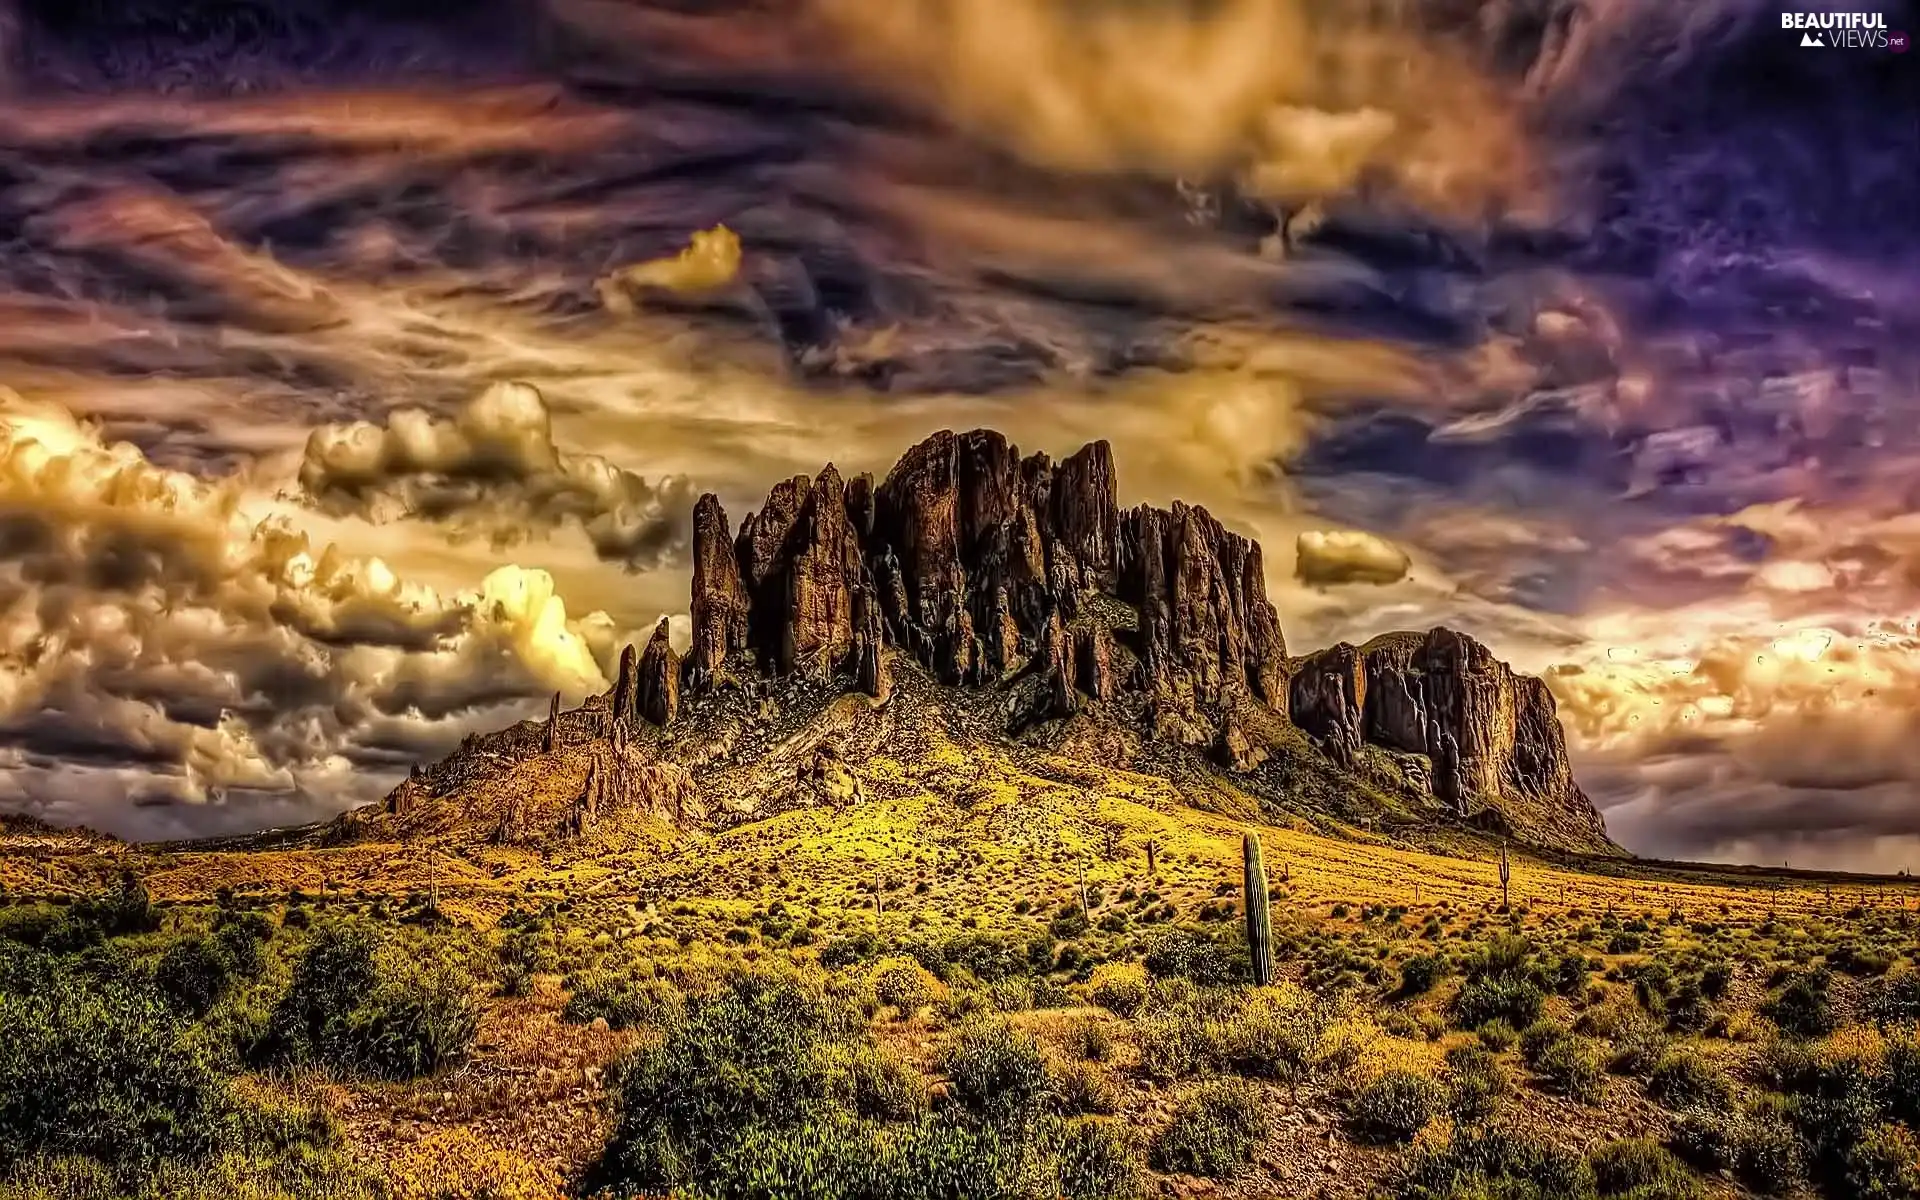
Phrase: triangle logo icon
{"type": "Point", "coordinates": [1809, 39]}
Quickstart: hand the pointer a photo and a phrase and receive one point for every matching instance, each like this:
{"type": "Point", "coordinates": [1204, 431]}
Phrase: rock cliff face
{"type": "Point", "coordinates": [1490, 735]}
{"type": "Point", "coordinates": [979, 564]}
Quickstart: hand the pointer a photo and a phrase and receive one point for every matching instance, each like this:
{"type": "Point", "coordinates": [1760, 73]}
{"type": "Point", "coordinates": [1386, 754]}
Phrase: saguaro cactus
{"type": "Point", "coordinates": [1505, 903]}
{"type": "Point", "coordinates": [1153, 863]}
{"type": "Point", "coordinates": [1259, 920]}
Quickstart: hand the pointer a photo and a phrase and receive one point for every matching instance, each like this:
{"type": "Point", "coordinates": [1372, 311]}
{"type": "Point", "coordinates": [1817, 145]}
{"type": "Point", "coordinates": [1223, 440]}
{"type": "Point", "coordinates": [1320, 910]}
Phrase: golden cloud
{"type": "Point", "coordinates": [155, 627]}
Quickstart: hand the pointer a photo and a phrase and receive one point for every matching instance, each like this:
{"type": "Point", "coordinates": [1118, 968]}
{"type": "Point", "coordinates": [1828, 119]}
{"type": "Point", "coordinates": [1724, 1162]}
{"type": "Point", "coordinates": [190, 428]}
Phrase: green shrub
{"type": "Point", "coordinates": [622, 999]}
{"type": "Point", "coordinates": [409, 1017]}
{"type": "Point", "coordinates": [1801, 1008]}
{"type": "Point", "coordinates": [1419, 973]}
{"type": "Point", "coordinates": [1395, 1107]}
{"type": "Point", "coordinates": [1089, 1038]}
{"type": "Point", "coordinates": [1900, 1079]}
{"type": "Point", "coordinates": [1571, 1067]}
{"type": "Point", "coordinates": [241, 938]}
{"type": "Point", "coordinates": [419, 1020]}
{"type": "Point", "coordinates": [997, 1071]}
{"type": "Point", "coordinates": [1213, 1132]}
{"type": "Point", "coordinates": [1885, 1165]}
{"type": "Point", "coordinates": [193, 974]}
{"type": "Point", "coordinates": [1537, 1037]}
{"type": "Point", "coordinates": [904, 988]}
{"type": "Point", "coordinates": [1475, 1082]}
{"type": "Point", "coordinates": [1081, 1088]}
{"type": "Point", "coordinates": [1492, 1161]}
{"type": "Point", "coordinates": [122, 909]}
{"type": "Point", "coordinates": [874, 1082]}
{"type": "Point", "coordinates": [1518, 1002]}
{"type": "Point", "coordinates": [1175, 1043]}
{"type": "Point", "coordinates": [1497, 1036]}
{"type": "Point", "coordinates": [1123, 992]}
{"type": "Point", "coordinates": [1095, 1160]}
{"type": "Point", "coordinates": [1638, 1044]}
{"type": "Point", "coordinates": [736, 1078]}
{"type": "Point", "coordinates": [1766, 1152]}
{"type": "Point", "coordinates": [28, 926]}
{"type": "Point", "coordinates": [1642, 1169]}
{"type": "Point", "coordinates": [100, 1071]}
{"type": "Point", "coordinates": [1181, 954]}
{"type": "Point", "coordinates": [1683, 1079]}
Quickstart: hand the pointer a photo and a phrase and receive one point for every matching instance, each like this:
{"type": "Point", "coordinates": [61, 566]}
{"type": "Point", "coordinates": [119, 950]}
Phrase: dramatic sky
{"type": "Point", "coordinates": [354, 397]}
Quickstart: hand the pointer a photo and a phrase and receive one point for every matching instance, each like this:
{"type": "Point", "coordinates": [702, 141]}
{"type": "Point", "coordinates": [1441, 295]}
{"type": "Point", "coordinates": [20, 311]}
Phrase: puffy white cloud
{"type": "Point", "coordinates": [493, 470]}
{"type": "Point", "coordinates": [170, 644]}
{"type": "Point", "coordinates": [1323, 557]}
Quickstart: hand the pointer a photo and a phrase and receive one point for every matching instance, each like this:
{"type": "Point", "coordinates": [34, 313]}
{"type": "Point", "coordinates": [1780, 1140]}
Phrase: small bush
{"type": "Point", "coordinates": [1642, 1169]}
{"type": "Point", "coordinates": [1518, 1002]}
{"type": "Point", "coordinates": [1885, 1165]}
{"type": "Point", "coordinates": [1475, 1082]}
{"type": "Point", "coordinates": [1419, 973]}
{"type": "Point", "coordinates": [1494, 1161]}
{"type": "Point", "coordinates": [1537, 1037]}
{"type": "Point", "coordinates": [1096, 1160]}
{"type": "Point", "coordinates": [874, 1082]}
{"type": "Point", "coordinates": [1682, 1079]}
{"type": "Point", "coordinates": [1119, 988]}
{"type": "Point", "coordinates": [1571, 1067]}
{"type": "Point", "coordinates": [1638, 1044]}
{"type": "Point", "coordinates": [997, 1071]}
{"type": "Point", "coordinates": [1801, 1009]}
{"type": "Point", "coordinates": [622, 1000]}
{"type": "Point", "coordinates": [907, 987]}
{"type": "Point", "coordinates": [1089, 1038]}
{"type": "Point", "coordinates": [1395, 1107]}
{"type": "Point", "coordinates": [1182, 955]}
{"type": "Point", "coordinates": [193, 975]}
{"type": "Point", "coordinates": [1081, 1088]}
{"type": "Point", "coordinates": [1213, 1132]}
{"type": "Point", "coordinates": [1497, 1036]}
{"type": "Point", "coordinates": [100, 1072]}
{"type": "Point", "coordinates": [408, 1017]}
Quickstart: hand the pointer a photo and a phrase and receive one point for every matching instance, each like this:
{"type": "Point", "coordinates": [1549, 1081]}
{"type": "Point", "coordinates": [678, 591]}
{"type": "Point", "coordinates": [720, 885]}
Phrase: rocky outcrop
{"type": "Point", "coordinates": [1206, 627]}
{"type": "Point", "coordinates": [978, 564]}
{"type": "Point", "coordinates": [621, 705]}
{"type": "Point", "coordinates": [657, 678]}
{"type": "Point", "coordinates": [1492, 737]}
{"type": "Point", "coordinates": [1141, 636]}
{"type": "Point", "coordinates": [719, 597]}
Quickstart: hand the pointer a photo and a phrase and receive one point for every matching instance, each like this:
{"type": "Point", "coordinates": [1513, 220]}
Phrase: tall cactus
{"type": "Point", "coordinates": [1505, 903]}
{"type": "Point", "coordinates": [1259, 920]}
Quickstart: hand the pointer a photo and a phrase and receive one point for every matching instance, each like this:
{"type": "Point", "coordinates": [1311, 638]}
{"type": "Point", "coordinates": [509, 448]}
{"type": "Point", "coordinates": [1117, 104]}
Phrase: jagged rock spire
{"type": "Point", "coordinates": [658, 678]}
{"type": "Point", "coordinates": [622, 707]}
{"type": "Point", "coordinates": [552, 733]}
{"type": "Point", "coordinates": [719, 598]}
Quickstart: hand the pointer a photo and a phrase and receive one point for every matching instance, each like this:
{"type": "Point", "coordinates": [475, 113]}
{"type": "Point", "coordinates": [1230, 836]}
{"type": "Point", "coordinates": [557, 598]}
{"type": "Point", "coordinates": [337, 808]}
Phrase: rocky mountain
{"type": "Point", "coordinates": [1008, 601]}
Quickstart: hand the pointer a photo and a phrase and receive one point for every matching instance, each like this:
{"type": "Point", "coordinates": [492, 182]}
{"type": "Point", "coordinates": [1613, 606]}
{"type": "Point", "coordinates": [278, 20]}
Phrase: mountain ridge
{"type": "Point", "coordinates": [1031, 615]}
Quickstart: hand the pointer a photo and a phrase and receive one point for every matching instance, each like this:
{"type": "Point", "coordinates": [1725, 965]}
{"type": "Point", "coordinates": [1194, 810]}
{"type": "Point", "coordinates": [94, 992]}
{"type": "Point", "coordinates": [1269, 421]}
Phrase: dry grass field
{"type": "Point", "coordinates": [982, 980]}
